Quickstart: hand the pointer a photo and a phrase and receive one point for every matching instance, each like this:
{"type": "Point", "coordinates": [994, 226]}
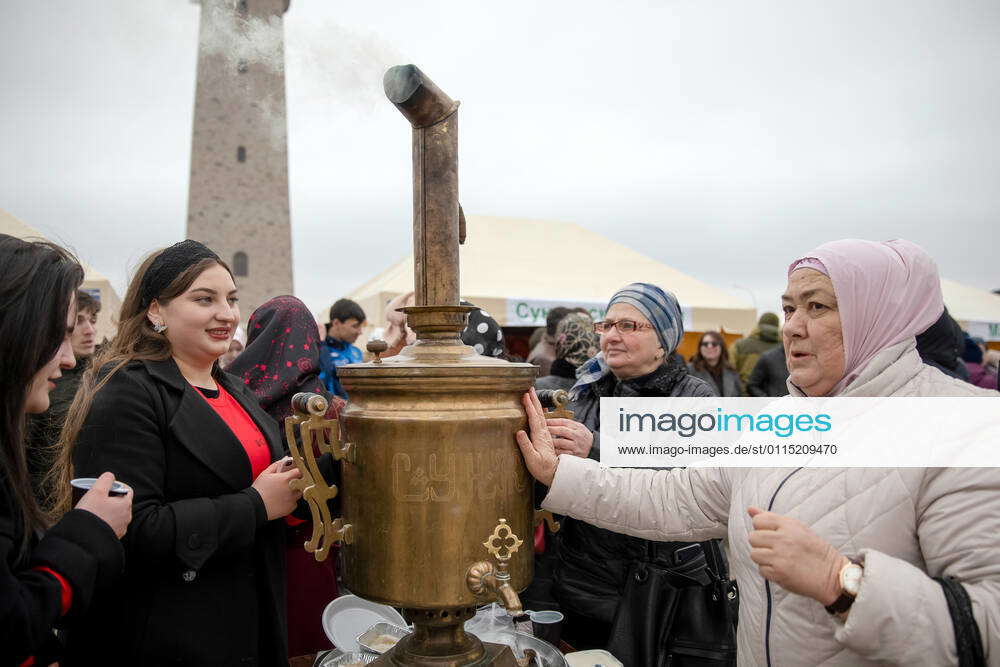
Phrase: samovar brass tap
{"type": "Point", "coordinates": [483, 577]}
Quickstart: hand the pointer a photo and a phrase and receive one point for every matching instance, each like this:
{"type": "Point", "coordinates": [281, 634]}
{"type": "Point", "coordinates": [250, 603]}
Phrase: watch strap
{"type": "Point", "coordinates": [841, 604]}
{"type": "Point", "coordinates": [844, 602]}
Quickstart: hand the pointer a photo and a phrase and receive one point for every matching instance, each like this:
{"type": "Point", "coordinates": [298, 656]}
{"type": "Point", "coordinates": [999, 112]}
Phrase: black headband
{"type": "Point", "coordinates": [171, 263]}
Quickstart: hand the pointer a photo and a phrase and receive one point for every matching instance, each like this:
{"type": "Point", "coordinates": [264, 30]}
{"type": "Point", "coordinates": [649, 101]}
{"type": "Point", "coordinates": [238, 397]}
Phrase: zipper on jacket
{"type": "Point", "coordinates": [767, 584]}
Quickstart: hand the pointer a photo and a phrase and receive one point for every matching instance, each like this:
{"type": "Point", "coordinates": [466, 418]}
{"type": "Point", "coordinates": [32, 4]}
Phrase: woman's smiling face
{"type": "Point", "coordinates": [201, 321]}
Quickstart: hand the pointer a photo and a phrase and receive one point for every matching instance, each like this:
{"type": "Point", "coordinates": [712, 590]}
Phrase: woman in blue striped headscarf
{"type": "Point", "coordinates": [641, 329]}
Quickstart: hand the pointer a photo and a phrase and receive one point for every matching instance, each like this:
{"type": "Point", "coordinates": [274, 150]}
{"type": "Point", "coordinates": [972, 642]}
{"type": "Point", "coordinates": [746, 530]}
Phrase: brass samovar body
{"type": "Point", "coordinates": [436, 466]}
{"type": "Point", "coordinates": [437, 503]}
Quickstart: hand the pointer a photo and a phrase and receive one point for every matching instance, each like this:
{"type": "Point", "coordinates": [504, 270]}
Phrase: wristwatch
{"type": "Point", "coordinates": [850, 584]}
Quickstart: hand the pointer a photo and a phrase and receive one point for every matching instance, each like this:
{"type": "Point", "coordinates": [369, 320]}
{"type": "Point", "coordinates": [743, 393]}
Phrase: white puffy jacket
{"type": "Point", "coordinates": [908, 525]}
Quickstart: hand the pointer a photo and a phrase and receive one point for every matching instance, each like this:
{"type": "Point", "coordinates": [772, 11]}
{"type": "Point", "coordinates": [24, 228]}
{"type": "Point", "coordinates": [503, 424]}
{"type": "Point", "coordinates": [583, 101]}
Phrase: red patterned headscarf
{"type": "Point", "coordinates": [281, 356]}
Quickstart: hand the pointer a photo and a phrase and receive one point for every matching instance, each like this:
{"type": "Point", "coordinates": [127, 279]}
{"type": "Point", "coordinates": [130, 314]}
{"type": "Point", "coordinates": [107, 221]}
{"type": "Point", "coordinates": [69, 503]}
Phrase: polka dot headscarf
{"type": "Point", "coordinates": [483, 333]}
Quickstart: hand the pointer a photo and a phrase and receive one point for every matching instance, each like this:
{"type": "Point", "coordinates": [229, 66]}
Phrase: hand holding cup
{"type": "Point", "coordinates": [110, 505]}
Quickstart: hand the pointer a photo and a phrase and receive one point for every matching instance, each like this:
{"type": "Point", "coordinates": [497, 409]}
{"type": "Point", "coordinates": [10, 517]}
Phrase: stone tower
{"type": "Point", "coordinates": [238, 196]}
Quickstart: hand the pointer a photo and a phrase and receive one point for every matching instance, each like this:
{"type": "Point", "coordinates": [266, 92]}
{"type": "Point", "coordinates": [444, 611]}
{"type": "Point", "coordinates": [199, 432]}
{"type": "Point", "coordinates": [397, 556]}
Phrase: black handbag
{"type": "Point", "coordinates": [968, 641]}
{"type": "Point", "coordinates": [682, 616]}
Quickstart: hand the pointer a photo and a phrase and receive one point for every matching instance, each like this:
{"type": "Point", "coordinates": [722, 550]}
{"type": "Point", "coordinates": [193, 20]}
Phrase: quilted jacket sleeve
{"type": "Point", "coordinates": [900, 615]}
{"type": "Point", "coordinates": [681, 504]}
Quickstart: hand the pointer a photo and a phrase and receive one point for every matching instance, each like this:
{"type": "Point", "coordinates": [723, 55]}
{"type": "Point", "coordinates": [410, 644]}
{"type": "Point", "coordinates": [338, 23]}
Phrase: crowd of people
{"type": "Point", "coordinates": [851, 566]}
{"type": "Point", "coordinates": [198, 560]}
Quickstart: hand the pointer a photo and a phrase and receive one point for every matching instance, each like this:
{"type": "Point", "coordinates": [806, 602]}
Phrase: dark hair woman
{"type": "Point", "coordinates": [711, 364]}
{"type": "Point", "coordinates": [46, 570]}
{"type": "Point", "coordinates": [205, 583]}
{"type": "Point", "coordinates": [280, 360]}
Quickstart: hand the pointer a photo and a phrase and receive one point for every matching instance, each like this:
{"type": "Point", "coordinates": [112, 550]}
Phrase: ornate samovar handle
{"type": "Point", "coordinates": [546, 516]}
{"type": "Point", "coordinates": [557, 399]}
{"type": "Point", "coordinates": [315, 429]}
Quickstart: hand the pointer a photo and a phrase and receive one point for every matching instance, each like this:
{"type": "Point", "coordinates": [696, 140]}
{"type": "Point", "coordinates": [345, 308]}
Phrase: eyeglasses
{"type": "Point", "coordinates": [710, 343]}
{"type": "Point", "coordinates": [624, 326]}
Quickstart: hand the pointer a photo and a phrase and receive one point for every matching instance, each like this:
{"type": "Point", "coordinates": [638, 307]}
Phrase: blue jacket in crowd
{"type": "Point", "coordinates": [335, 353]}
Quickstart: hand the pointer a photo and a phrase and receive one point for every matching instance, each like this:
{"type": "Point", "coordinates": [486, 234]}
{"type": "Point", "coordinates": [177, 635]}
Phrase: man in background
{"type": "Point", "coordinates": [544, 352]}
{"type": "Point", "coordinates": [941, 346]}
{"type": "Point", "coordinates": [337, 349]}
{"type": "Point", "coordinates": [769, 376]}
{"type": "Point", "coordinates": [745, 353]}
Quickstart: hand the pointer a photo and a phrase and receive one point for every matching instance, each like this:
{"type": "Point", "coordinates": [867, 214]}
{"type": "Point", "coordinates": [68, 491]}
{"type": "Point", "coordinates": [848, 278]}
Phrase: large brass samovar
{"type": "Point", "coordinates": [436, 499]}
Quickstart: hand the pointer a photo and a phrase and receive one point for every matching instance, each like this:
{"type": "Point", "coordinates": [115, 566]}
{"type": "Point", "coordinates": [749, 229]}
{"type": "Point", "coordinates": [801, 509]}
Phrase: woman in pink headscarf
{"type": "Point", "coordinates": [853, 310]}
{"type": "Point", "coordinates": [836, 566]}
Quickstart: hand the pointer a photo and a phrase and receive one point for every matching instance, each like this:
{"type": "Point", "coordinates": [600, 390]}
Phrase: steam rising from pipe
{"type": "Point", "coordinates": [339, 65]}
{"type": "Point", "coordinates": [333, 62]}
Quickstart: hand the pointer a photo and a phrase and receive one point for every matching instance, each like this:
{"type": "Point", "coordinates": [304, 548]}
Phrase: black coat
{"type": "Point", "coordinates": [205, 581]}
{"type": "Point", "coordinates": [594, 562]}
{"type": "Point", "coordinates": [731, 385]}
{"type": "Point", "coordinates": [81, 548]}
{"type": "Point", "coordinates": [941, 346]}
{"type": "Point", "coordinates": [769, 375]}
{"type": "Point", "coordinates": [562, 376]}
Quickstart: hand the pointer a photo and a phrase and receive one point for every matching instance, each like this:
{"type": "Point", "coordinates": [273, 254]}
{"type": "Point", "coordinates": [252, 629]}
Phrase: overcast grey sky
{"type": "Point", "coordinates": [722, 138]}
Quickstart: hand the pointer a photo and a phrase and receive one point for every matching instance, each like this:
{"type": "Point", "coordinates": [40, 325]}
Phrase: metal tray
{"type": "Point", "coordinates": [366, 638]}
{"type": "Point", "coordinates": [336, 658]}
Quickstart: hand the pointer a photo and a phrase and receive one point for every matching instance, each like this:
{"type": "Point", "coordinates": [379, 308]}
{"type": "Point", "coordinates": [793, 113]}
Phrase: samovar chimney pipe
{"type": "Point", "coordinates": [436, 218]}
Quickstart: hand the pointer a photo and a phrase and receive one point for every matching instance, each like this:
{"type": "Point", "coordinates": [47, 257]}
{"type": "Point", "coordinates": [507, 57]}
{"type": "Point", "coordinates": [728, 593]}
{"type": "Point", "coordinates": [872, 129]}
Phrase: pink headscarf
{"type": "Point", "coordinates": [886, 292]}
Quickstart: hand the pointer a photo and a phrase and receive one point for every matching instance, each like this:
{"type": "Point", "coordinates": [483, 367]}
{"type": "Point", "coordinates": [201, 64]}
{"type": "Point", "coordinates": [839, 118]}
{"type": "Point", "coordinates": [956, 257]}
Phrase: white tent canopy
{"type": "Point", "coordinates": [93, 282]}
{"type": "Point", "coordinates": [977, 310]}
{"type": "Point", "coordinates": [517, 269]}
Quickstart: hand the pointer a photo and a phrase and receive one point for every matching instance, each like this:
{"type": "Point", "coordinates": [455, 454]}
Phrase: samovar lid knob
{"type": "Point", "coordinates": [377, 347]}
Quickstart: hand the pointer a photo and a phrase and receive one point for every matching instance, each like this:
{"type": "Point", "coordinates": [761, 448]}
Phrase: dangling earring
{"type": "Point", "coordinates": [159, 327]}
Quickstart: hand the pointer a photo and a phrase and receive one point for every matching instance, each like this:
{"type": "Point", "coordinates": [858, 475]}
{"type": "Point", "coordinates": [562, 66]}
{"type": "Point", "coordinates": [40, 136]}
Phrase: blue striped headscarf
{"type": "Point", "coordinates": [659, 307]}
